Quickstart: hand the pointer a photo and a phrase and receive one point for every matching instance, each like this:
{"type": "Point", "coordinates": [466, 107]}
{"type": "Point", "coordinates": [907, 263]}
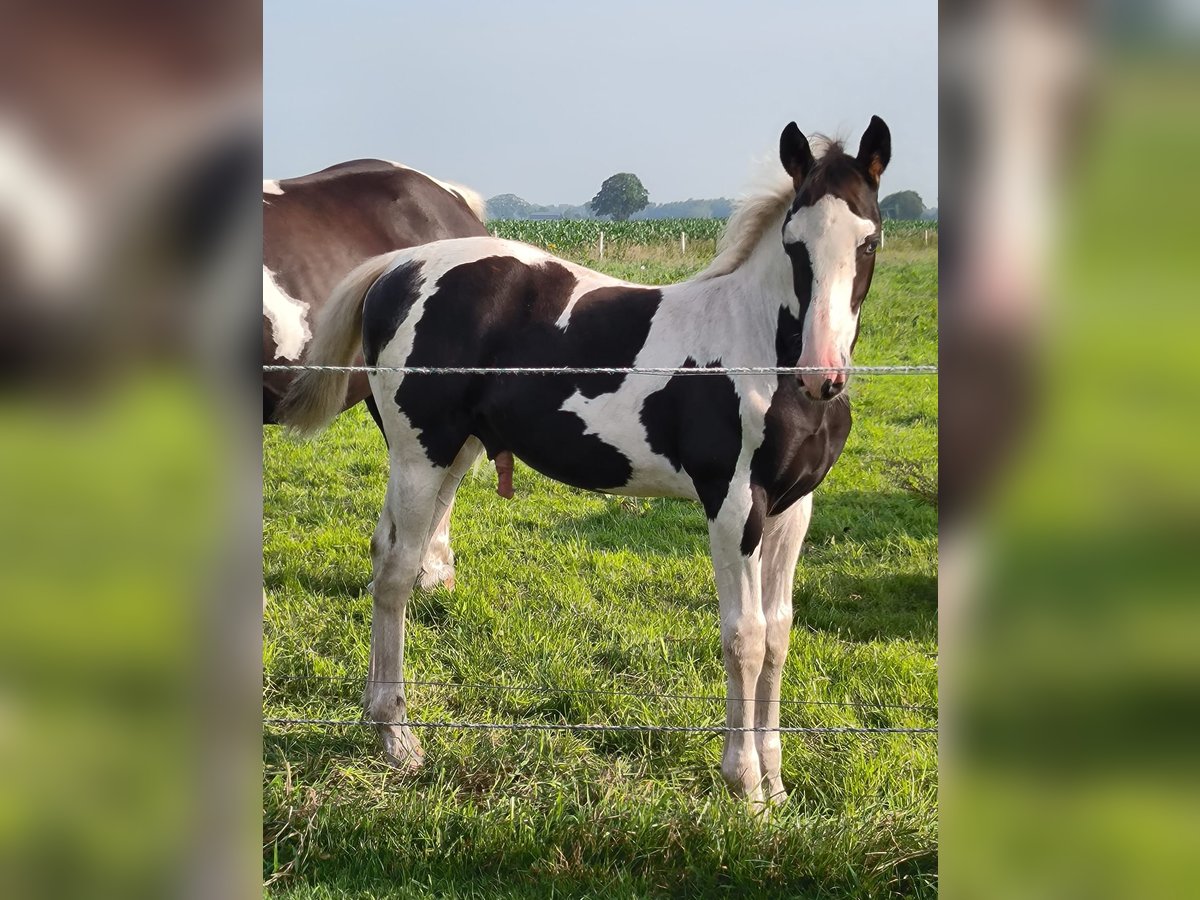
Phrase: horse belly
{"type": "Point", "coordinates": [558, 444]}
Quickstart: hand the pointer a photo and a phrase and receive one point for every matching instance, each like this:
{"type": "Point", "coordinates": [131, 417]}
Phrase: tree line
{"type": "Point", "coordinates": [623, 196]}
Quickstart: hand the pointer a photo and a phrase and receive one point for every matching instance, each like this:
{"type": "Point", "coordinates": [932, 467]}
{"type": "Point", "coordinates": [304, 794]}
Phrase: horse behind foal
{"type": "Point", "coordinates": [316, 229]}
{"type": "Point", "coordinates": [786, 288]}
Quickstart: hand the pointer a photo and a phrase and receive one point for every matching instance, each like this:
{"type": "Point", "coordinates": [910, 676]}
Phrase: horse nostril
{"type": "Point", "coordinates": [828, 389]}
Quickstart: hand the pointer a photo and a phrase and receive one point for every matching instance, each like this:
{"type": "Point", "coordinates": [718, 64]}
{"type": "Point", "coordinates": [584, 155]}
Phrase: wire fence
{"type": "Point", "coordinates": [662, 371]}
{"type": "Point", "coordinates": [593, 692]}
{"type": "Point", "coordinates": [857, 705]}
{"type": "Point", "coordinates": [669, 371]}
{"type": "Point", "coordinates": [588, 726]}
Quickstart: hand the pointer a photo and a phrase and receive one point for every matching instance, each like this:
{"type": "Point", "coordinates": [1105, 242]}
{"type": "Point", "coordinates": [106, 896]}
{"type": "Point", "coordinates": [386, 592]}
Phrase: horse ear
{"type": "Point", "coordinates": [795, 154]}
{"type": "Point", "coordinates": [875, 149]}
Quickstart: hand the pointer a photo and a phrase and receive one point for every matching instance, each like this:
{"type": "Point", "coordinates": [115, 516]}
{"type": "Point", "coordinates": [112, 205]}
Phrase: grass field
{"type": "Point", "coordinates": [583, 592]}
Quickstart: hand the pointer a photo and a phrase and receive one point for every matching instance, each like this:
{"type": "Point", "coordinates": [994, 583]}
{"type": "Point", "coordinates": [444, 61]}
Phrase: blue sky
{"type": "Point", "coordinates": [546, 100]}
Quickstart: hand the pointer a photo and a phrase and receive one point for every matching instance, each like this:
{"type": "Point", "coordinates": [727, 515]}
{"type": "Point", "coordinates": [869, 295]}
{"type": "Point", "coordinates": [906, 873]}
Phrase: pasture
{"type": "Point", "coordinates": [575, 607]}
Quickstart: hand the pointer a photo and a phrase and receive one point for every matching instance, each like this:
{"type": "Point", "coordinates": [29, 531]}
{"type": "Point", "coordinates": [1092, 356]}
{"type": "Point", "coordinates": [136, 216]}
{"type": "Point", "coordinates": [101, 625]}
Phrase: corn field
{"type": "Point", "coordinates": [575, 235]}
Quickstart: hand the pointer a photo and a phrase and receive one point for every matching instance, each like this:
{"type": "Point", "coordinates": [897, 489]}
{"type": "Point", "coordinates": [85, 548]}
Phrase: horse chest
{"type": "Point", "coordinates": [802, 439]}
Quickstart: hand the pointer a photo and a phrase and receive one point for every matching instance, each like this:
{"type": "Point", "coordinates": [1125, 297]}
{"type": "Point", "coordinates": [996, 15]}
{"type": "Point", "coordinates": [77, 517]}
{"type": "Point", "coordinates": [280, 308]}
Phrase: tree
{"type": "Point", "coordinates": [508, 206]}
{"type": "Point", "coordinates": [620, 196]}
{"type": "Point", "coordinates": [902, 205]}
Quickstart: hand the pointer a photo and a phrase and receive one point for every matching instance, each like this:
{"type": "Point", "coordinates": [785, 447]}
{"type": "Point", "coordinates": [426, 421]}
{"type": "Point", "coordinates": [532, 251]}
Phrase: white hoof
{"type": "Point", "coordinates": [433, 576]}
{"type": "Point", "coordinates": [401, 749]}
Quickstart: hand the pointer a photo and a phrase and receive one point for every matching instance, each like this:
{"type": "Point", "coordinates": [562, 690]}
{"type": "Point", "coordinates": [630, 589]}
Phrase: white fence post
{"type": "Point", "coordinates": [683, 242]}
{"type": "Point", "coordinates": [602, 245]}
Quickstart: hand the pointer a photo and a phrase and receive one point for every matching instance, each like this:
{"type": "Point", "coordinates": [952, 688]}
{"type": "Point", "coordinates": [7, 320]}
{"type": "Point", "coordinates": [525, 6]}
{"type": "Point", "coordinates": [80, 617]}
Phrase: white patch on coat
{"type": "Point", "coordinates": [832, 233]}
{"type": "Point", "coordinates": [272, 187]}
{"type": "Point", "coordinates": [42, 214]}
{"type": "Point", "coordinates": [288, 317]}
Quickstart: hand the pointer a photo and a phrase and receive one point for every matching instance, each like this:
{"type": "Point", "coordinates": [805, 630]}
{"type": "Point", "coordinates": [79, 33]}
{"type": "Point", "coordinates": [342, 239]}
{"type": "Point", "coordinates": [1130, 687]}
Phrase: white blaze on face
{"type": "Point", "coordinates": [832, 234]}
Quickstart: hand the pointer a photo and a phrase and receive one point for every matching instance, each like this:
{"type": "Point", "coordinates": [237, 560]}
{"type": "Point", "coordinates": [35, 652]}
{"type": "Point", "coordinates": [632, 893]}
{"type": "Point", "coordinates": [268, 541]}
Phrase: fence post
{"type": "Point", "coordinates": [927, 235]}
{"type": "Point", "coordinates": [683, 242]}
{"type": "Point", "coordinates": [602, 245]}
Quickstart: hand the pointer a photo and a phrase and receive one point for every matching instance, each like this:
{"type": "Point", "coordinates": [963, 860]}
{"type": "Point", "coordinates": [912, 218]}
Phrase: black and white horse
{"type": "Point", "coordinates": [786, 288]}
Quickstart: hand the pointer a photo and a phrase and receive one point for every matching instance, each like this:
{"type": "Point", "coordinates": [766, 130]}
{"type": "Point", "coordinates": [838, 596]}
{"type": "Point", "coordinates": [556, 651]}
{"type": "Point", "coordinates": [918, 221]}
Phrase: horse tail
{"type": "Point", "coordinates": [315, 397]}
{"type": "Point", "coordinates": [473, 199]}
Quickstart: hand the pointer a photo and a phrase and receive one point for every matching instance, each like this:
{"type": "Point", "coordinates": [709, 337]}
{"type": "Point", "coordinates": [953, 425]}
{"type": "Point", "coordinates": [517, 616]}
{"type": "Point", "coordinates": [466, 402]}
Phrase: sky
{"type": "Point", "coordinates": [547, 99]}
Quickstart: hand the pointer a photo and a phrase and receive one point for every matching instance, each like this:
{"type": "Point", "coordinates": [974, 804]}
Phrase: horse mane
{"type": "Point", "coordinates": [758, 208]}
{"type": "Point", "coordinates": [473, 199]}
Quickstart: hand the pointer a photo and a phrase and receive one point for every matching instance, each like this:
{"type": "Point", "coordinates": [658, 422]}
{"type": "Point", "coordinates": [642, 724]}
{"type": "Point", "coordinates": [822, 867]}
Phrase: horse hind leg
{"type": "Point", "coordinates": [437, 565]}
{"type": "Point", "coordinates": [396, 550]}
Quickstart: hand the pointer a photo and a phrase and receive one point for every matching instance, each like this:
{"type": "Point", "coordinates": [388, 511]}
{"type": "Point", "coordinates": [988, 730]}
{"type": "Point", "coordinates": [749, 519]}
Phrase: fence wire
{"type": "Point", "coordinates": [585, 726]}
{"type": "Point", "coordinates": [613, 370]}
{"type": "Point", "coordinates": [604, 692]}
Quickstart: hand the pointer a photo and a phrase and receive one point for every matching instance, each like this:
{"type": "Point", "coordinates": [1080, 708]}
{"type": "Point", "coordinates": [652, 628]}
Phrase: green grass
{"type": "Point", "coordinates": [575, 590]}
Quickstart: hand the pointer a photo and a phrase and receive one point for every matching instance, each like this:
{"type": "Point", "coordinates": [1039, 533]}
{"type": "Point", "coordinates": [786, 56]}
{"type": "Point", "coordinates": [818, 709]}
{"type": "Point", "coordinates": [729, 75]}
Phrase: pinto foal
{"type": "Point", "coordinates": [786, 288]}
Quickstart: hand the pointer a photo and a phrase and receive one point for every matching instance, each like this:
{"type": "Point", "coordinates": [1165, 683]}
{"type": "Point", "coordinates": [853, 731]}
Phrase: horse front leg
{"type": "Point", "coordinates": [743, 637]}
{"type": "Point", "coordinates": [783, 536]}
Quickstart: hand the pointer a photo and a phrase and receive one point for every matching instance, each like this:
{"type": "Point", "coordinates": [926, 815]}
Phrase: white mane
{"type": "Point", "coordinates": [761, 206]}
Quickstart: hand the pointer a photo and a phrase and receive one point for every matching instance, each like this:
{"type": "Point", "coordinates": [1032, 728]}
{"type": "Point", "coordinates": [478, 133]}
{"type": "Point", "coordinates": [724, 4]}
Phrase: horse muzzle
{"type": "Point", "coordinates": [824, 385]}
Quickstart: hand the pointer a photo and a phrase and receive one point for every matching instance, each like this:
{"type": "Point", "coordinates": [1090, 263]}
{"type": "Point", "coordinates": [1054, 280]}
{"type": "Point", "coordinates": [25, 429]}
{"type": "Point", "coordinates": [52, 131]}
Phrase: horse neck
{"type": "Point", "coordinates": [758, 288]}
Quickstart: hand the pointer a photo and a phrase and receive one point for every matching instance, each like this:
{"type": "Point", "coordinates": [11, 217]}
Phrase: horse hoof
{"type": "Point", "coordinates": [402, 750]}
{"type": "Point", "coordinates": [443, 575]}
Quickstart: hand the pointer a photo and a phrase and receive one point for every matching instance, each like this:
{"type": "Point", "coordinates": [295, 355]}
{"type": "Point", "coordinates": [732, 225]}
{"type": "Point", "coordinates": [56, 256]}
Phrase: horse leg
{"type": "Point", "coordinates": [373, 409]}
{"type": "Point", "coordinates": [743, 639]}
{"type": "Point", "coordinates": [396, 550]}
{"type": "Point", "coordinates": [782, 537]}
{"type": "Point", "coordinates": [437, 566]}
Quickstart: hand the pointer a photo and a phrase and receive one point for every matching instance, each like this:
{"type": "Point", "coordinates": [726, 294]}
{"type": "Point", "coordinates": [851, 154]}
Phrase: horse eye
{"type": "Point", "coordinates": [870, 247]}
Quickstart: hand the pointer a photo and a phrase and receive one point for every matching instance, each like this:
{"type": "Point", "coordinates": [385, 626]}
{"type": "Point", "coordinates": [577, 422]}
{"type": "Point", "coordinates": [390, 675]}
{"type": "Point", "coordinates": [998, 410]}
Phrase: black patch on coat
{"type": "Point", "coordinates": [864, 271]}
{"type": "Point", "coordinates": [385, 306]}
{"type": "Point", "coordinates": [789, 335]}
{"type": "Point", "coordinates": [695, 422]}
{"type": "Point", "coordinates": [844, 176]}
{"type": "Point", "coordinates": [373, 409]}
{"type": "Point", "coordinates": [802, 440]}
{"type": "Point", "coordinates": [753, 531]}
{"type": "Point", "coordinates": [501, 312]}
{"type": "Point", "coordinates": [790, 326]}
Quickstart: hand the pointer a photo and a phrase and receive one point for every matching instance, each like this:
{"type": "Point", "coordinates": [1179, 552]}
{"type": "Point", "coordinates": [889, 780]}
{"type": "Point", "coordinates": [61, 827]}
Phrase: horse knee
{"type": "Point", "coordinates": [743, 639]}
{"type": "Point", "coordinates": [394, 572]}
{"type": "Point", "coordinates": [778, 636]}
{"type": "Point", "coordinates": [383, 540]}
